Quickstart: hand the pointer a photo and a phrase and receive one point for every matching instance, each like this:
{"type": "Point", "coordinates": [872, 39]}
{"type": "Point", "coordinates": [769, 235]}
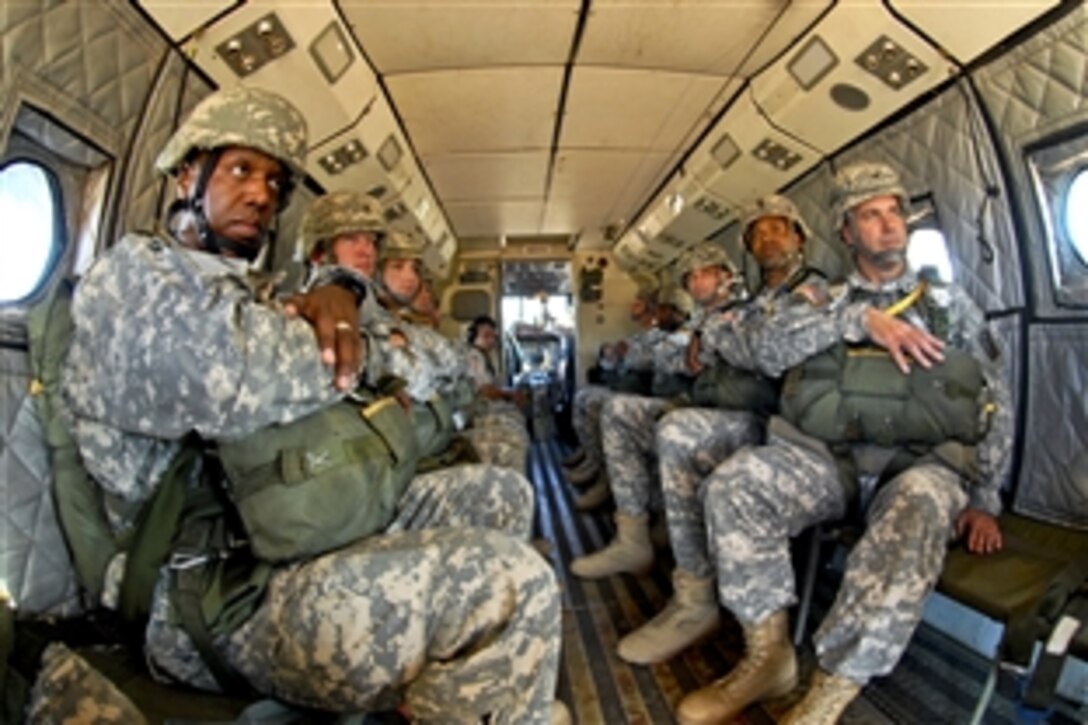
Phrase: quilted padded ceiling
{"type": "Point", "coordinates": [516, 141]}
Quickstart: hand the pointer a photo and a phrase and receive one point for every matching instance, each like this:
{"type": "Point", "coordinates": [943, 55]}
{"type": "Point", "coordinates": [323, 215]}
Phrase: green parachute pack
{"type": "Point", "coordinates": [287, 492]}
{"type": "Point", "coordinates": [858, 395]}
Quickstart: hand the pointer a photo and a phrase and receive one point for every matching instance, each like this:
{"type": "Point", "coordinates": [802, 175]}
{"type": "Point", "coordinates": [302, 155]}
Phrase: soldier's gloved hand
{"type": "Point", "coordinates": [903, 341]}
{"type": "Point", "coordinates": [333, 313]}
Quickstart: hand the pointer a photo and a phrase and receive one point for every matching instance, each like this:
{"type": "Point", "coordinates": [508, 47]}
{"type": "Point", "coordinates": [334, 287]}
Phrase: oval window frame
{"type": "Point", "coordinates": [1078, 237]}
{"type": "Point", "coordinates": [57, 244]}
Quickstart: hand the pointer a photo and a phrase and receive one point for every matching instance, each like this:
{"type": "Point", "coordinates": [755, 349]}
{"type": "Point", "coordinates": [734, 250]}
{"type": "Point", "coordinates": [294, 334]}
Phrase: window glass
{"type": "Point", "coordinates": [927, 248]}
{"type": "Point", "coordinates": [1075, 214]}
{"type": "Point", "coordinates": [28, 208]}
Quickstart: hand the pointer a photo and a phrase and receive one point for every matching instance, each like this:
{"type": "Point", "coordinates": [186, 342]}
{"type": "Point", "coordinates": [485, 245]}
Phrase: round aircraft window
{"type": "Point", "coordinates": [1075, 214]}
{"type": "Point", "coordinates": [29, 205]}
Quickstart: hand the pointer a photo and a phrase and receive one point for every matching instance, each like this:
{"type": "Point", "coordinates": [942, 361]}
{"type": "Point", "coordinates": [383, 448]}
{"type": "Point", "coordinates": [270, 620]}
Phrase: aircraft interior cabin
{"type": "Point", "coordinates": [696, 361]}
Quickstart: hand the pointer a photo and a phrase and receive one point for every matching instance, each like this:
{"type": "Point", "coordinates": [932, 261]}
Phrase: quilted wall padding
{"type": "Point", "coordinates": [1037, 91]}
{"type": "Point", "coordinates": [1054, 484]}
{"type": "Point", "coordinates": [95, 59]}
{"type": "Point", "coordinates": [91, 66]}
{"type": "Point", "coordinates": [139, 205]}
{"type": "Point", "coordinates": [34, 563]}
{"type": "Point", "coordinates": [934, 149]}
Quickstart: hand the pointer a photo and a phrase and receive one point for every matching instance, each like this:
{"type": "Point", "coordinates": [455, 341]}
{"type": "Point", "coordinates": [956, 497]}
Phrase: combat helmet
{"type": "Point", "coordinates": [702, 255]}
{"type": "Point", "coordinates": [677, 297]}
{"type": "Point", "coordinates": [861, 182]}
{"type": "Point", "coordinates": [240, 116]}
{"type": "Point", "coordinates": [770, 206]}
{"type": "Point", "coordinates": [338, 213]}
{"type": "Point", "coordinates": [401, 245]}
{"type": "Point", "coordinates": [246, 117]}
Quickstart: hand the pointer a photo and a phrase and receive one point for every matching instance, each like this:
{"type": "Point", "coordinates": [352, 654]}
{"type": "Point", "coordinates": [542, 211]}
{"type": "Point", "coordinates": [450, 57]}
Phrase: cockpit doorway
{"type": "Point", "coordinates": [538, 333]}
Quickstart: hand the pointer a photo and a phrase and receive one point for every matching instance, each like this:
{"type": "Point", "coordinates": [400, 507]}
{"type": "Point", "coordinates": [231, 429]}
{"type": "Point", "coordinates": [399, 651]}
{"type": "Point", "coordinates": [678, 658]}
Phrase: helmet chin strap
{"type": "Point", "coordinates": [194, 205]}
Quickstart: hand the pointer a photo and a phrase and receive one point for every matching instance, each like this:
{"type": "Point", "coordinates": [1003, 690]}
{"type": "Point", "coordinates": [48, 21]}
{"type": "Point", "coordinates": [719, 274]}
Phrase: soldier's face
{"type": "Point", "coordinates": [242, 195]}
{"type": "Point", "coordinates": [703, 283]}
{"type": "Point", "coordinates": [877, 230]}
{"type": "Point", "coordinates": [774, 242]}
{"type": "Point", "coordinates": [401, 276]}
{"type": "Point", "coordinates": [486, 337]}
{"type": "Point", "coordinates": [358, 251]}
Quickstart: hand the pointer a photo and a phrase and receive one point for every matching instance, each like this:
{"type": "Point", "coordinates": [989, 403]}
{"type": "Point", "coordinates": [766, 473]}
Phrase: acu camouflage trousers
{"type": "Point", "coordinates": [449, 610]}
{"type": "Point", "coordinates": [627, 432]}
{"type": "Point", "coordinates": [586, 419]}
{"type": "Point", "coordinates": [761, 497]}
{"type": "Point", "coordinates": [691, 442]}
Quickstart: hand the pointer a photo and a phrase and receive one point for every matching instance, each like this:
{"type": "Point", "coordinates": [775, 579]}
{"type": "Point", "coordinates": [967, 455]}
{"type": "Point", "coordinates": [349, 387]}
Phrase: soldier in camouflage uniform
{"type": "Point", "coordinates": [69, 690]}
{"type": "Point", "coordinates": [692, 441]}
{"type": "Point", "coordinates": [499, 412]}
{"type": "Point", "coordinates": [347, 228]}
{"type": "Point", "coordinates": [170, 338]}
{"type": "Point", "coordinates": [585, 464]}
{"type": "Point", "coordinates": [761, 497]}
{"type": "Point", "coordinates": [627, 425]}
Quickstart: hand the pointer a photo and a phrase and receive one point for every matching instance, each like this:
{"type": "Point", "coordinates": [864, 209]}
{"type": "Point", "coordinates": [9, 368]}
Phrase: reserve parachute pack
{"type": "Point", "coordinates": [318, 483]}
{"type": "Point", "coordinates": [672, 385]}
{"type": "Point", "coordinates": [636, 382]}
{"type": "Point", "coordinates": [858, 395]}
{"type": "Point", "coordinates": [730, 388]}
{"type": "Point", "coordinates": [286, 492]}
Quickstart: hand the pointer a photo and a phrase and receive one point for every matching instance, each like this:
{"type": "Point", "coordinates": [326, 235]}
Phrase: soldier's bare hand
{"type": "Point", "coordinates": [333, 313]}
{"type": "Point", "coordinates": [981, 532]}
{"type": "Point", "coordinates": [903, 341]}
{"type": "Point", "coordinates": [694, 348]}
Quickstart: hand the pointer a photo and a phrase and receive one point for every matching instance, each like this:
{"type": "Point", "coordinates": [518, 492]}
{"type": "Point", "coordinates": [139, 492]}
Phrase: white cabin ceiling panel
{"type": "Point", "coordinates": [521, 216]}
{"type": "Point", "coordinates": [967, 28]}
{"type": "Point", "coordinates": [707, 36]}
{"type": "Point", "coordinates": [467, 177]}
{"type": "Point", "coordinates": [750, 175]}
{"type": "Point", "coordinates": [329, 108]}
{"type": "Point", "coordinates": [848, 32]}
{"type": "Point", "coordinates": [609, 181]}
{"type": "Point", "coordinates": [510, 109]}
{"type": "Point", "coordinates": [408, 35]}
{"type": "Point", "coordinates": [639, 109]}
{"type": "Point", "coordinates": [790, 25]}
{"type": "Point", "coordinates": [180, 19]}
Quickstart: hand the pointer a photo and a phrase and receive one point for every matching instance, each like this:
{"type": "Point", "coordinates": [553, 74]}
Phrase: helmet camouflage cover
{"type": "Point", "coordinates": [341, 212]}
{"type": "Point", "coordinates": [861, 182]}
{"type": "Point", "coordinates": [702, 255]}
{"type": "Point", "coordinates": [676, 297]}
{"type": "Point", "coordinates": [250, 117]}
{"type": "Point", "coordinates": [773, 205]}
{"type": "Point", "coordinates": [402, 245]}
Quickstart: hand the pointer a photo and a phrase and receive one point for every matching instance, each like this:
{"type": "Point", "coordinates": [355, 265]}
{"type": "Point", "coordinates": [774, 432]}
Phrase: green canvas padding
{"type": "Point", "coordinates": [1026, 585]}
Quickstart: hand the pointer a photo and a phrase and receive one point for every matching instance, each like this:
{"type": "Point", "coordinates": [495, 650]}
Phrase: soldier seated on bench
{"type": "Point", "coordinates": [926, 423]}
{"type": "Point", "coordinates": [445, 608]}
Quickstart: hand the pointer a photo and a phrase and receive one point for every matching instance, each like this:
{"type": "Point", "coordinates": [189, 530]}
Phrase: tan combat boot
{"type": "Point", "coordinates": [629, 551]}
{"type": "Point", "coordinates": [594, 496]}
{"type": "Point", "coordinates": [769, 669]}
{"type": "Point", "coordinates": [824, 702]}
{"type": "Point", "coordinates": [584, 473]}
{"type": "Point", "coordinates": [560, 714]}
{"type": "Point", "coordinates": [690, 615]}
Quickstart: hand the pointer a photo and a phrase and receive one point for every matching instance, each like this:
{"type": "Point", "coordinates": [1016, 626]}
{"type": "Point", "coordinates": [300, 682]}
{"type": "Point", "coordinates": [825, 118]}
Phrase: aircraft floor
{"type": "Point", "coordinates": [938, 680]}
